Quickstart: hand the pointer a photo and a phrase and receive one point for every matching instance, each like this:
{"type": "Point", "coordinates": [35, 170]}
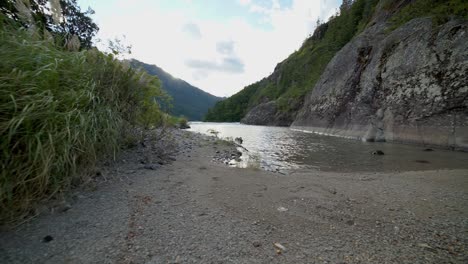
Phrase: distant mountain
{"type": "Point", "coordinates": [188, 100]}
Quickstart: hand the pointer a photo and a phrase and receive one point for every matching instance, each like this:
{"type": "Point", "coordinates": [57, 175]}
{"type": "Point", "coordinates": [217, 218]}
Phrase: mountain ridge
{"type": "Point", "coordinates": [187, 100]}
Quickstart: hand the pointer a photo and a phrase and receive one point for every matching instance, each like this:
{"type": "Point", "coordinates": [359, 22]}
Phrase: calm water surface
{"type": "Point", "coordinates": [284, 149]}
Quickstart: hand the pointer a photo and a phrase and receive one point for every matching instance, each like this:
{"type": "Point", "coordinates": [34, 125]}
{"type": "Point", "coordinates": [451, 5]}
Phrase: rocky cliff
{"type": "Point", "coordinates": [269, 114]}
{"type": "Point", "coordinates": [408, 85]}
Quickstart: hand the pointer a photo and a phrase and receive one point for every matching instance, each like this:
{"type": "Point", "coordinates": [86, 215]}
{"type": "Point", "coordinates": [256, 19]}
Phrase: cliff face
{"type": "Point", "coordinates": [268, 114]}
{"type": "Point", "coordinates": [410, 85]}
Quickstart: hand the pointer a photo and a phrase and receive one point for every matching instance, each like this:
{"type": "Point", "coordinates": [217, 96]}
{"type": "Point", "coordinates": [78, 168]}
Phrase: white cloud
{"type": "Point", "coordinates": [192, 30]}
{"type": "Point", "coordinates": [244, 2]}
{"type": "Point", "coordinates": [219, 57]}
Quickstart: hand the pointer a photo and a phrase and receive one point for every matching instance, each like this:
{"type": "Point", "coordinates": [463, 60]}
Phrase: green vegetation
{"type": "Point", "coordinates": [440, 10]}
{"type": "Point", "coordinates": [187, 100]}
{"type": "Point", "coordinates": [61, 111]}
{"type": "Point", "coordinates": [296, 76]}
{"type": "Point", "coordinates": [60, 19]}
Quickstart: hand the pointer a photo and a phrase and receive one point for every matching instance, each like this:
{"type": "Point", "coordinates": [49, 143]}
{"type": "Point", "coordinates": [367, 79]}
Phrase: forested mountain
{"type": "Point", "coordinates": [187, 100]}
{"type": "Point", "coordinates": [276, 99]}
{"type": "Point", "coordinates": [286, 87]}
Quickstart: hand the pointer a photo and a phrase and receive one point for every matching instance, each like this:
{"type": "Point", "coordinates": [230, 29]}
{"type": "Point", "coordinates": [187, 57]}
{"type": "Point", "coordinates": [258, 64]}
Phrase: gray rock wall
{"type": "Point", "coordinates": [268, 114]}
{"type": "Point", "coordinates": [409, 85]}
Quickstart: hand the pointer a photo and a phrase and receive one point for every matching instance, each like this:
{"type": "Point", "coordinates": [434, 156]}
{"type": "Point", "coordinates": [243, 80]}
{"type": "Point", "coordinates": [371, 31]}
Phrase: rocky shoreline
{"type": "Point", "coordinates": [193, 208]}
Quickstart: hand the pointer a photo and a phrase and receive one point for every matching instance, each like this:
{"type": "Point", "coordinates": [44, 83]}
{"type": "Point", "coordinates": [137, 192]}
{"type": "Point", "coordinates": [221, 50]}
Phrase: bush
{"type": "Point", "coordinates": [59, 112]}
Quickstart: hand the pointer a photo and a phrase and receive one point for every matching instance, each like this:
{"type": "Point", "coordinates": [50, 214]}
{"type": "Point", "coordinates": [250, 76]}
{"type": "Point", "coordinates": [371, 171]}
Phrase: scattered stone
{"type": "Point", "coordinates": [378, 152]}
{"type": "Point", "coordinates": [257, 244]}
{"type": "Point", "coordinates": [47, 239]}
{"type": "Point", "coordinates": [151, 167]}
{"type": "Point", "coordinates": [279, 248]}
{"type": "Point", "coordinates": [422, 161]}
{"type": "Point", "coordinates": [238, 140]}
{"type": "Point", "coordinates": [428, 150]}
{"type": "Point", "coordinates": [65, 208]}
{"type": "Point", "coordinates": [282, 209]}
{"type": "Point", "coordinates": [350, 222]}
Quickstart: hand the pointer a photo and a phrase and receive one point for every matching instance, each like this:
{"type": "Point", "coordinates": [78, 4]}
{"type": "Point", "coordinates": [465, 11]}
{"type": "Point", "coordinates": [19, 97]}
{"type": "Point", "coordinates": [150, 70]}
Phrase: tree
{"type": "Point", "coordinates": [60, 17]}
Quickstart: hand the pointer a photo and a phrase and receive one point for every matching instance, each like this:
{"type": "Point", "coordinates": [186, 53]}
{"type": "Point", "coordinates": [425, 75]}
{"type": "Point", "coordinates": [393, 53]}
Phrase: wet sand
{"type": "Point", "coordinates": [195, 210]}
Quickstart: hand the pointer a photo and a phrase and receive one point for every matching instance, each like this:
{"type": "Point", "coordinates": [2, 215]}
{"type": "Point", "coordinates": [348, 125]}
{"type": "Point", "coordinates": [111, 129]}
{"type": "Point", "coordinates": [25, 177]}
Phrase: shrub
{"type": "Point", "coordinates": [59, 112]}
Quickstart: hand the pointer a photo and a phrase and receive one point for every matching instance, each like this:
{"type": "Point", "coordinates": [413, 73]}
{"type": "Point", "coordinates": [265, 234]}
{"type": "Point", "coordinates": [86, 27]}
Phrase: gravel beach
{"type": "Point", "coordinates": [187, 206]}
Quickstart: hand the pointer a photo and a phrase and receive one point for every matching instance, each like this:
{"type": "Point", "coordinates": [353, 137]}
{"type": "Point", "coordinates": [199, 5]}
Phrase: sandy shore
{"type": "Point", "coordinates": [194, 210]}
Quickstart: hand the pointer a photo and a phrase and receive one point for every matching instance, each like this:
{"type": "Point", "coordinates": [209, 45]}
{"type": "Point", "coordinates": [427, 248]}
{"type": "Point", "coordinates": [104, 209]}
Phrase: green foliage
{"type": "Point", "coordinates": [176, 122]}
{"type": "Point", "coordinates": [440, 10]}
{"type": "Point", "coordinates": [296, 76]}
{"type": "Point", "coordinates": [187, 100]}
{"type": "Point", "coordinates": [63, 20]}
{"type": "Point", "coordinates": [59, 112]}
{"type": "Point", "coordinates": [183, 121]}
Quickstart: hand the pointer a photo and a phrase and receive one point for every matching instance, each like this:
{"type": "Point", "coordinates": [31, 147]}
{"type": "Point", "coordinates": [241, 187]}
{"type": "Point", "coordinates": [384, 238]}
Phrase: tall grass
{"type": "Point", "coordinates": [59, 112]}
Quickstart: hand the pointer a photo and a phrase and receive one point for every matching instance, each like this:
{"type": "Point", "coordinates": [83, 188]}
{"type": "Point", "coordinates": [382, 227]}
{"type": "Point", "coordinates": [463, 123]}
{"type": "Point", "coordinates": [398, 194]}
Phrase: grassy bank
{"type": "Point", "coordinates": [61, 111]}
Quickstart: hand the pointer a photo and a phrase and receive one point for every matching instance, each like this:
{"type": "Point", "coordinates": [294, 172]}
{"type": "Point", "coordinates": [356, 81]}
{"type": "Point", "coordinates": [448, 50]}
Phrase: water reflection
{"type": "Point", "coordinates": [280, 148]}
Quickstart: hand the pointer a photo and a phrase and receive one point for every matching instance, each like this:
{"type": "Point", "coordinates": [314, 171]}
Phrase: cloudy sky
{"type": "Point", "coordinates": [219, 46]}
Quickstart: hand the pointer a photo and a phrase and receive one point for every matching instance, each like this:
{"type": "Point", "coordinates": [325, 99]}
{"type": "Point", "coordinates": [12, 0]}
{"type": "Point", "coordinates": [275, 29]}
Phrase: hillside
{"type": "Point", "coordinates": [402, 80]}
{"type": "Point", "coordinates": [282, 93]}
{"type": "Point", "coordinates": [187, 100]}
{"type": "Point", "coordinates": [277, 99]}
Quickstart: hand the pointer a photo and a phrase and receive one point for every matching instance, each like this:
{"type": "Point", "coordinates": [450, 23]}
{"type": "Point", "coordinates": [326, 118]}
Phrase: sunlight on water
{"type": "Point", "coordinates": [280, 149]}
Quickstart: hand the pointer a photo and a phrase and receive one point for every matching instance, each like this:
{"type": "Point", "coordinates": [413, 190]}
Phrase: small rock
{"type": "Point", "coordinates": [279, 248]}
{"type": "Point", "coordinates": [65, 208]}
{"type": "Point", "coordinates": [428, 149]}
{"type": "Point", "coordinates": [47, 239]}
{"type": "Point", "coordinates": [378, 152]}
{"type": "Point", "coordinates": [422, 161]}
{"type": "Point", "coordinates": [350, 222]}
{"type": "Point", "coordinates": [282, 209]}
{"type": "Point", "coordinates": [151, 167]}
{"type": "Point", "coordinates": [257, 244]}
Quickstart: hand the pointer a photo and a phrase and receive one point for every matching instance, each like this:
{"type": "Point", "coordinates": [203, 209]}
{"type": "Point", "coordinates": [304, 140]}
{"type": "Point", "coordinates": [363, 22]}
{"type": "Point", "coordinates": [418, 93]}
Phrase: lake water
{"type": "Point", "coordinates": [284, 149]}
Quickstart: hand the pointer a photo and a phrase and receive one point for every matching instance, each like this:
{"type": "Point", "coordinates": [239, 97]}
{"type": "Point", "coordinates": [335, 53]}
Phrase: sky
{"type": "Point", "coordinates": [219, 46]}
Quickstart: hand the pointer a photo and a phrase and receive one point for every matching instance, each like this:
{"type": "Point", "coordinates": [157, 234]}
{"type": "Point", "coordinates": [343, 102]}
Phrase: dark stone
{"type": "Point", "coordinates": [378, 152]}
{"type": "Point", "coordinates": [428, 150]}
{"type": "Point", "coordinates": [151, 166]}
{"type": "Point", "coordinates": [422, 161]}
{"type": "Point", "coordinates": [47, 239]}
{"type": "Point", "coordinates": [350, 222]}
{"type": "Point", "coordinates": [257, 244]}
